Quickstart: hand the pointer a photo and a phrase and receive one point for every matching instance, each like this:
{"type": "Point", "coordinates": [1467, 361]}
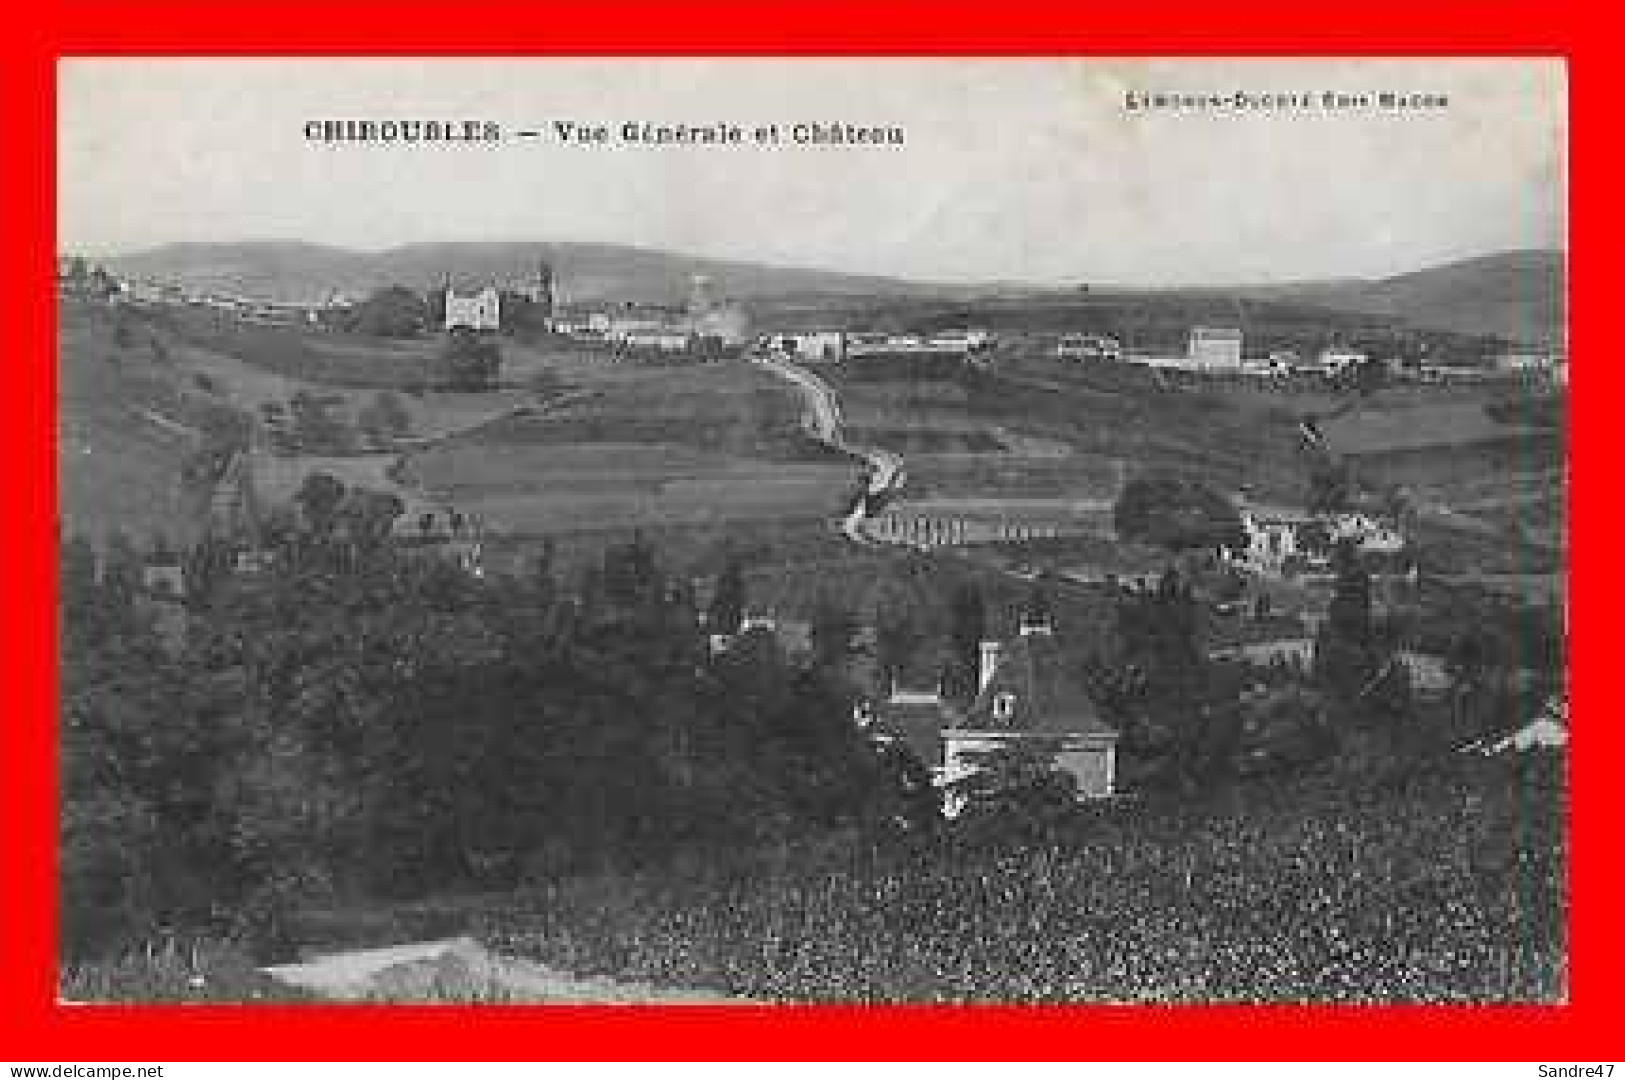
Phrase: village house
{"type": "Point", "coordinates": [1024, 696]}
{"type": "Point", "coordinates": [705, 320]}
{"type": "Point", "coordinates": [1277, 537]}
{"type": "Point", "coordinates": [1368, 533]}
{"type": "Point", "coordinates": [793, 637]}
{"type": "Point", "coordinates": [811, 346]}
{"type": "Point", "coordinates": [1272, 540]}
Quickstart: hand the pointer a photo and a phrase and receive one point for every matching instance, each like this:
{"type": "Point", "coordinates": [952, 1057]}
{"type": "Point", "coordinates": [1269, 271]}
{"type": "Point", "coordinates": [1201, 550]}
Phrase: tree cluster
{"type": "Point", "coordinates": [470, 361]}
{"type": "Point", "coordinates": [389, 725]}
{"type": "Point", "coordinates": [392, 312]}
{"type": "Point", "coordinates": [1177, 512]}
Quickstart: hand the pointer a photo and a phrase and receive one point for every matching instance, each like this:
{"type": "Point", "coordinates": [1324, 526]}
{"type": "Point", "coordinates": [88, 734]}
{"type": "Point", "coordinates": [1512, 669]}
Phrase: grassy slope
{"type": "Point", "coordinates": [648, 446]}
{"type": "Point", "coordinates": [126, 424]}
{"type": "Point", "coordinates": [1520, 295]}
{"type": "Point", "coordinates": [590, 271]}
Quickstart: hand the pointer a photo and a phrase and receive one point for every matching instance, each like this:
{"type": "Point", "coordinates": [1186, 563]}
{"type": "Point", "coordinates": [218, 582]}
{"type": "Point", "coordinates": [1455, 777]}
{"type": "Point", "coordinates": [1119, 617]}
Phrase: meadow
{"type": "Point", "coordinates": [532, 489]}
{"type": "Point", "coordinates": [645, 447]}
{"type": "Point", "coordinates": [128, 429]}
{"type": "Point", "coordinates": [327, 358]}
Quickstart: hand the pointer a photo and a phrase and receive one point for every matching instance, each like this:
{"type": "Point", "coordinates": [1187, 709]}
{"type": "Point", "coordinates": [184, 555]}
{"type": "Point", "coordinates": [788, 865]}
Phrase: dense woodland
{"type": "Point", "coordinates": [385, 724]}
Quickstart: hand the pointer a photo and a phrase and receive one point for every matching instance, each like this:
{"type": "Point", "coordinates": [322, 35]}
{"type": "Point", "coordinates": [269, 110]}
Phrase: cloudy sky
{"type": "Point", "coordinates": [1029, 170]}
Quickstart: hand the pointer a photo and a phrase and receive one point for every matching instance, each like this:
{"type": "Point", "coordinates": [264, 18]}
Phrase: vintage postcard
{"type": "Point", "coordinates": [772, 530]}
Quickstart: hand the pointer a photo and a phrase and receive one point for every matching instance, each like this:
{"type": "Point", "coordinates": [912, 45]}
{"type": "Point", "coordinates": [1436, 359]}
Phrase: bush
{"type": "Point", "coordinates": [471, 362]}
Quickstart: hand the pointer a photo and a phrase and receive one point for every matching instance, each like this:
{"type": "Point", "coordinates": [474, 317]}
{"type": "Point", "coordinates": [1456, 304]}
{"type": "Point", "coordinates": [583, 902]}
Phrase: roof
{"type": "Point", "coordinates": [1045, 698]}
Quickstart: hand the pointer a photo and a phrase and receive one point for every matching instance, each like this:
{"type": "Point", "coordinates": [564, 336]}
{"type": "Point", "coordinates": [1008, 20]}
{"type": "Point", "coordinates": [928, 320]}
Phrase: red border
{"type": "Point", "coordinates": [34, 1027]}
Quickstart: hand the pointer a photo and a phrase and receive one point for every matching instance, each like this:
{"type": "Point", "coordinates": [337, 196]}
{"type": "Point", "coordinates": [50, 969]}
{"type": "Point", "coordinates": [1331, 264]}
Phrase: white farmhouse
{"type": "Point", "coordinates": [481, 311]}
{"type": "Point", "coordinates": [1214, 348]}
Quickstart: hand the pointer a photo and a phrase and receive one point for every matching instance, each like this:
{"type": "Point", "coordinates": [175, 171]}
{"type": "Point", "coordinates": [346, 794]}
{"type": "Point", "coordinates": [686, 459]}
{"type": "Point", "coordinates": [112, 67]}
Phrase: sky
{"type": "Point", "coordinates": [1032, 170]}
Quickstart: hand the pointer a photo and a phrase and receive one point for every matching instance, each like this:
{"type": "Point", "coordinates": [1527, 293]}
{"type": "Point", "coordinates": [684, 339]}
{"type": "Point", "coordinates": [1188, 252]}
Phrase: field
{"type": "Point", "coordinates": [1065, 437]}
{"type": "Point", "coordinates": [329, 359]}
{"type": "Point", "coordinates": [636, 447]}
{"type": "Point", "coordinates": [1076, 476]}
{"type": "Point", "coordinates": [127, 426]}
{"type": "Point", "coordinates": [567, 487]}
{"type": "Point", "coordinates": [603, 447]}
{"type": "Point", "coordinates": [1416, 426]}
{"type": "Point", "coordinates": [1447, 885]}
{"type": "Point", "coordinates": [1476, 465]}
{"type": "Point", "coordinates": [1444, 883]}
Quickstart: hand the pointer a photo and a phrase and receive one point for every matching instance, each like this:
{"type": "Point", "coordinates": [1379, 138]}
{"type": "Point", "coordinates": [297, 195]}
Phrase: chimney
{"type": "Point", "coordinates": [989, 661]}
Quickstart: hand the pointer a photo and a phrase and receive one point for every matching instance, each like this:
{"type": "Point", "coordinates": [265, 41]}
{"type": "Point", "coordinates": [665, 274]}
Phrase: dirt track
{"type": "Point", "coordinates": [462, 970]}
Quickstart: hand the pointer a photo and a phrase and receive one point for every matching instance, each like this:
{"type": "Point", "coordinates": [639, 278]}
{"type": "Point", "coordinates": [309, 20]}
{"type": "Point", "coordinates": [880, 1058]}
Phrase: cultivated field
{"type": "Point", "coordinates": [328, 359]}
{"type": "Point", "coordinates": [1444, 885]}
{"type": "Point", "coordinates": [568, 486]}
{"type": "Point", "coordinates": [635, 447]}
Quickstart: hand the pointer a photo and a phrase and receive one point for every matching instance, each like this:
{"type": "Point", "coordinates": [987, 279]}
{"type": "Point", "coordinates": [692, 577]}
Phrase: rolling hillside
{"type": "Point", "coordinates": [1519, 295]}
{"type": "Point", "coordinates": [128, 425]}
{"type": "Point", "coordinates": [300, 271]}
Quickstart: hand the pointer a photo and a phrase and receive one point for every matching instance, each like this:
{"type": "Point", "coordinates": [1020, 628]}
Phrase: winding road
{"type": "Point", "coordinates": [463, 970]}
{"type": "Point", "coordinates": [823, 422]}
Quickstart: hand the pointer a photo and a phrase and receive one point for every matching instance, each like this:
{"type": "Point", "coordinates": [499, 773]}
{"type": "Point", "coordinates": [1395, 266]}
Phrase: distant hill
{"type": "Point", "coordinates": [291, 270]}
{"type": "Point", "coordinates": [1519, 295]}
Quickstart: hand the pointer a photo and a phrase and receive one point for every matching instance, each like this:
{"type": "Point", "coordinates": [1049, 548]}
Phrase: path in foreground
{"type": "Point", "coordinates": [462, 970]}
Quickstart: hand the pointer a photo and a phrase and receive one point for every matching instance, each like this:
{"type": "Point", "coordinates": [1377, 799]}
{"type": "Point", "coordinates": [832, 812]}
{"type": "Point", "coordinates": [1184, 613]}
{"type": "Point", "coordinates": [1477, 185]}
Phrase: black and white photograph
{"type": "Point", "coordinates": [787, 530]}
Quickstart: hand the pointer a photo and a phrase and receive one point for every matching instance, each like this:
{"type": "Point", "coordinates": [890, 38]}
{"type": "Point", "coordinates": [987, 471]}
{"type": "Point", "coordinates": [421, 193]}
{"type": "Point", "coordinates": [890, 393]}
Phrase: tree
{"type": "Point", "coordinates": [470, 361]}
{"type": "Point", "coordinates": [392, 412]}
{"type": "Point", "coordinates": [898, 637]}
{"type": "Point", "coordinates": [388, 725]}
{"type": "Point", "coordinates": [542, 571]}
{"type": "Point", "coordinates": [833, 625]}
{"type": "Point", "coordinates": [371, 424]}
{"type": "Point", "coordinates": [967, 626]}
{"type": "Point", "coordinates": [160, 552]}
{"type": "Point", "coordinates": [315, 428]}
{"type": "Point", "coordinates": [319, 496]}
{"type": "Point", "coordinates": [394, 311]}
{"type": "Point", "coordinates": [631, 577]}
{"type": "Point", "coordinates": [121, 571]}
{"type": "Point", "coordinates": [727, 607]}
{"type": "Point", "coordinates": [383, 419]}
{"type": "Point", "coordinates": [1331, 485]}
{"type": "Point", "coordinates": [1175, 704]}
{"type": "Point", "coordinates": [1344, 654]}
{"type": "Point", "coordinates": [78, 590]}
{"type": "Point", "coordinates": [1177, 512]}
{"type": "Point", "coordinates": [369, 516]}
{"type": "Point", "coordinates": [521, 316]}
{"type": "Point", "coordinates": [1017, 792]}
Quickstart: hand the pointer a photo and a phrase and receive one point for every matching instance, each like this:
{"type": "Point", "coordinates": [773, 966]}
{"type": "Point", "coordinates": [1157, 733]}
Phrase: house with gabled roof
{"type": "Point", "coordinates": [1026, 697]}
